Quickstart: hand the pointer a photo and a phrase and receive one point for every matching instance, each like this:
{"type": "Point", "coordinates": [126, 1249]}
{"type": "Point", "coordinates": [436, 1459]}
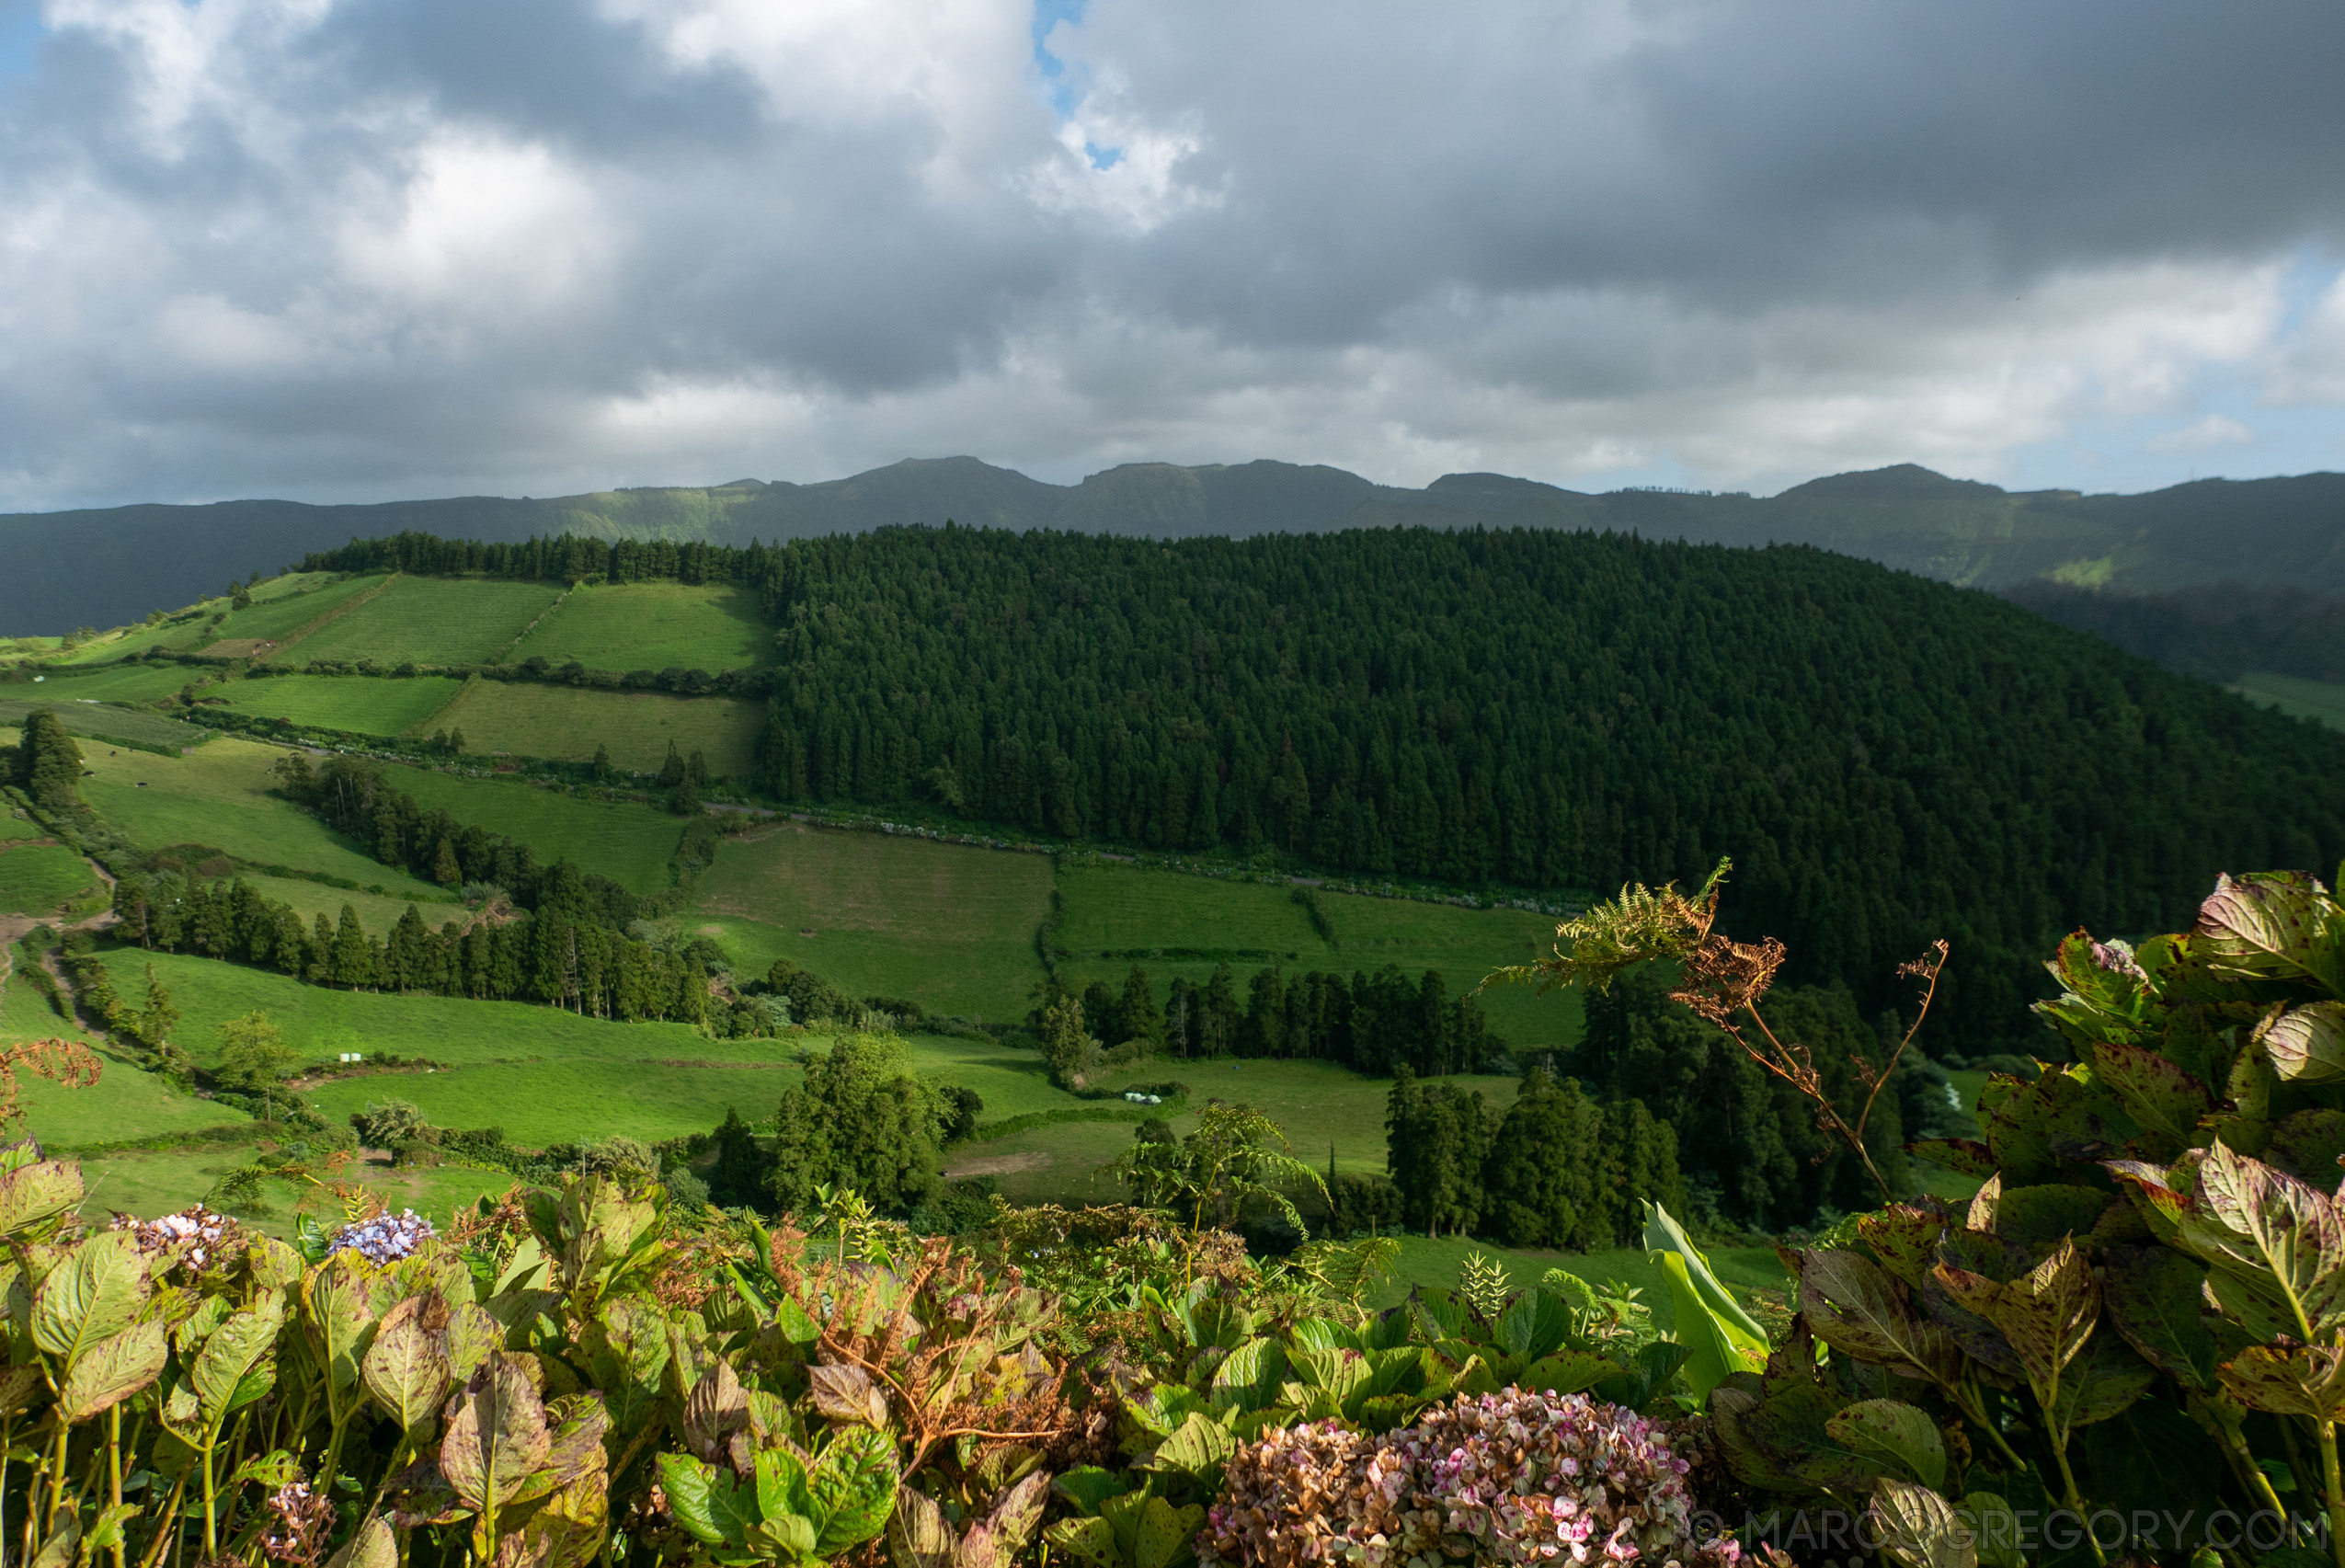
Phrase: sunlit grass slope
{"type": "Point", "coordinates": [219, 797]}
{"type": "Point", "coordinates": [566, 723]}
{"type": "Point", "coordinates": [654, 626]}
{"type": "Point", "coordinates": [628, 842]}
{"type": "Point", "coordinates": [949, 927]}
{"type": "Point", "coordinates": [430, 621]}
{"type": "Point", "coordinates": [36, 878]}
{"type": "Point", "coordinates": [363, 705]}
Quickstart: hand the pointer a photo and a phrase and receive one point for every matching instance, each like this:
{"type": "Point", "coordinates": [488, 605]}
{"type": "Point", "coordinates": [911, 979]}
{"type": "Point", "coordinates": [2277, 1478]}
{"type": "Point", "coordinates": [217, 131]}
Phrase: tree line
{"type": "Point", "coordinates": [558, 558]}
{"type": "Point", "coordinates": [1371, 1023]}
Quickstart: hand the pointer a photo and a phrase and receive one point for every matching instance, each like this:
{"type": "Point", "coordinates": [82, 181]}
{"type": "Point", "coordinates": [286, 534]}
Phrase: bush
{"type": "Point", "coordinates": [1509, 1477]}
{"type": "Point", "coordinates": [686, 1191]}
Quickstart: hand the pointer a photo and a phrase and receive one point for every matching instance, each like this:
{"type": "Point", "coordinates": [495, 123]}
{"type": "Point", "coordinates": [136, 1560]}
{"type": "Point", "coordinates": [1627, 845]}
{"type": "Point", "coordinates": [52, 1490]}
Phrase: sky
{"type": "Point", "coordinates": [374, 249]}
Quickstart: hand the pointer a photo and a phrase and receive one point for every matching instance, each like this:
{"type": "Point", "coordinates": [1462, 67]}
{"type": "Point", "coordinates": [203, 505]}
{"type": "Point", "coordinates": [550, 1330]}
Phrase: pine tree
{"type": "Point", "coordinates": [1137, 1017]}
{"type": "Point", "coordinates": [738, 1177]}
{"type": "Point", "coordinates": [1067, 1046]}
{"type": "Point", "coordinates": [158, 1018]}
{"type": "Point", "coordinates": [319, 962]}
{"type": "Point", "coordinates": [353, 956]}
{"type": "Point", "coordinates": [671, 771]}
{"type": "Point", "coordinates": [444, 867]}
{"type": "Point", "coordinates": [604, 772]}
{"type": "Point", "coordinates": [49, 765]}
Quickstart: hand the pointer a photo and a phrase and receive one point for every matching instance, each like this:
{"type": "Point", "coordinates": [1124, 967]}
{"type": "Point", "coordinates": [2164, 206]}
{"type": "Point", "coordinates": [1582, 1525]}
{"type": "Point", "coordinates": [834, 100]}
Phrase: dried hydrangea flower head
{"type": "Point", "coordinates": [298, 1521]}
{"type": "Point", "coordinates": [207, 1236]}
{"type": "Point", "coordinates": [384, 1237]}
{"type": "Point", "coordinates": [1517, 1476]}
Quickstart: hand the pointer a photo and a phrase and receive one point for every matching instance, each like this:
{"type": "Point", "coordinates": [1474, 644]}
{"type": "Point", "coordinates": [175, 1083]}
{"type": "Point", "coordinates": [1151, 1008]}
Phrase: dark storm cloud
{"type": "Point", "coordinates": [377, 248]}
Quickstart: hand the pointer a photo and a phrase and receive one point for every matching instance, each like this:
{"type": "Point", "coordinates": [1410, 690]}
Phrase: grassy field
{"type": "Point", "coordinates": [15, 826]}
{"type": "Point", "coordinates": [948, 927]}
{"type": "Point", "coordinates": [566, 723]}
{"type": "Point", "coordinates": [135, 682]}
{"type": "Point", "coordinates": [364, 704]}
{"type": "Point", "coordinates": [281, 609]}
{"type": "Point", "coordinates": [631, 844]}
{"type": "Point", "coordinates": [158, 1182]}
{"type": "Point", "coordinates": [36, 878]}
{"type": "Point", "coordinates": [378, 912]}
{"type": "Point", "coordinates": [278, 605]}
{"type": "Point", "coordinates": [1119, 909]}
{"type": "Point", "coordinates": [93, 722]}
{"type": "Point", "coordinates": [654, 626]}
{"type": "Point", "coordinates": [2297, 698]}
{"type": "Point", "coordinates": [430, 621]}
{"type": "Point", "coordinates": [123, 1104]}
{"type": "Point", "coordinates": [219, 797]}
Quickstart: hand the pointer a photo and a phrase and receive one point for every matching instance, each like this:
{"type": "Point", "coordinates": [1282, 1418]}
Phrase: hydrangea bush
{"type": "Point", "coordinates": [1517, 1476]}
{"type": "Point", "coordinates": [385, 1238]}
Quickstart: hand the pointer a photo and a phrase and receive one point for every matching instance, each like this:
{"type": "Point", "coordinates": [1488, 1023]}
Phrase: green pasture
{"type": "Point", "coordinates": [278, 605]}
{"type": "Point", "coordinates": [654, 626]}
{"type": "Point", "coordinates": [630, 844]}
{"type": "Point", "coordinates": [13, 825]}
{"type": "Point", "coordinates": [1116, 909]}
{"type": "Point", "coordinates": [363, 705]}
{"type": "Point", "coordinates": [123, 1104]}
{"type": "Point", "coordinates": [320, 1023]}
{"type": "Point", "coordinates": [2320, 700]}
{"type": "Point", "coordinates": [566, 723]}
{"type": "Point", "coordinates": [219, 796]}
{"type": "Point", "coordinates": [539, 1102]}
{"type": "Point", "coordinates": [947, 926]}
{"type": "Point", "coordinates": [429, 621]}
{"type": "Point", "coordinates": [283, 608]}
{"type": "Point", "coordinates": [376, 911]}
{"type": "Point", "coordinates": [94, 723]}
{"type": "Point", "coordinates": [139, 682]}
{"type": "Point", "coordinates": [35, 879]}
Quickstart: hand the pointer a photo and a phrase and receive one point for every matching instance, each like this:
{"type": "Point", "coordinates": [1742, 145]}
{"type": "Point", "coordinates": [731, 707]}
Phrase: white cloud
{"type": "Point", "coordinates": [2204, 435]}
{"type": "Point", "coordinates": [377, 248]}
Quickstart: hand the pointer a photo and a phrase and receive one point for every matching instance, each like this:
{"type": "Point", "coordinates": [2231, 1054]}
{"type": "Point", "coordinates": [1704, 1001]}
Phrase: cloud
{"type": "Point", "coordinates": [364, 248]}
{"type": "Point", "coordinates": [2204, 435]}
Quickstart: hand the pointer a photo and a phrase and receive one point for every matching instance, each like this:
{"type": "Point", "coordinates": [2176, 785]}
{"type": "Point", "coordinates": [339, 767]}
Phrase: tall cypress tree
{"type": "Point", "coordinates": [49, 765]}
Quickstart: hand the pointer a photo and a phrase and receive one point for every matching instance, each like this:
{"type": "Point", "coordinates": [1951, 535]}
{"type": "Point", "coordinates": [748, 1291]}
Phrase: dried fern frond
{"type": "Point", "coordinates": [1641, 925]}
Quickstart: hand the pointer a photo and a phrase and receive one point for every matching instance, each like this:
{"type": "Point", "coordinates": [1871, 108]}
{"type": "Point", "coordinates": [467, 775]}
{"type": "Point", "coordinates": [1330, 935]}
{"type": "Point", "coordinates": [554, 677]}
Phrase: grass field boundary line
{"type": "Point", "coordinates": [440, 713]}
{"type": "Point", "coordinates": [541, 615]}
{"type": "Point", "coordinates": [317, 621]}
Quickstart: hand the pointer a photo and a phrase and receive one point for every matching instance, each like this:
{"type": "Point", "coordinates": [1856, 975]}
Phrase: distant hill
{"type": "Point", "coordinates": [107, 566]}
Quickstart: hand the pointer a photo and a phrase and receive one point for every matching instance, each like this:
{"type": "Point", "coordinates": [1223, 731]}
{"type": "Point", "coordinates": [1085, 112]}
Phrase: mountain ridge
{"type": "Point", "coordinates": [108, 566]}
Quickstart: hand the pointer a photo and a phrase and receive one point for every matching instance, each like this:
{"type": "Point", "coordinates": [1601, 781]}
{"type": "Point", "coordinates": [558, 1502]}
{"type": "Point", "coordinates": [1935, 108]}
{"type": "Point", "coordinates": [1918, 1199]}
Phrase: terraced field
{"type": "Point", "coordinates": [2318, 700]}
{"type": "Point", "coordinates": [566, 723]}
{"type": "Point", "coordinates": [631, 844]}
{"type": "Point", "coordinates": [655, 627]}
{"type": "Point", "coordinates": [429, 621]}
{"type": "Point", "coordinates": [37, 879]}
{"type": "Point", "coordinates": [362, 704]}
{"type": "Point", "coordinates": [96, 721]}
{"type": "Point", "coordinates": [220, 798]}
{"type": "Point", "coordinates": [949, 927]}
{"type": "Point", "coordinates": [1116, 916]}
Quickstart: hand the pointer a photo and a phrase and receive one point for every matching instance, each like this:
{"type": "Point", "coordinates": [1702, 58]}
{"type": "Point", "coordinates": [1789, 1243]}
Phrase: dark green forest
{"type": "Point", "coordinates": [1887, 758]}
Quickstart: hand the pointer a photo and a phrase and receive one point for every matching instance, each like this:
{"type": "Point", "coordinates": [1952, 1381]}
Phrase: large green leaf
{"type": "Point", "coordinates": [41, 1191]}
{"type": "Point", "coordinates": [707, 1501]}
{"type": "Point", "coordinates": [1199, 1449]}
{"type": "Point", "coordinates": [1163, 1534]}
{"type": "Point", "coordinates": [2307, 1380]}
{"type": "Point", "coordinates": [113, 1370]}
{"type": "Point", "coordinates": [851, 1486]}
{"type": "Point", "coordinates": [1903, 1238]}
{"type": "Point", "coordinates": [2161, 1094]}
{"type": "Point", "coordinates": [232, 1369]}
{"type": "Point", "coordinates": [2306, 1045]}
{"type": "Point", "coordinates": [373, 1545]}
{"type": "Point", "coordinates": [1249, 1379]}
{"type": "Point", "coordinates": [2152, 1296]}
{"type": "Point", "coordinates": [407, 1367]}
{"type": "Point", "coordinates": [1918, 1528]}
{"type": "Point", "coordinates": [2102, 1383]}
{"type": "Point", "coordinates": [2272, 924]}
{"type": "Point", "coordinates": [497, 1434]}
{"type": "Point", "coordinates": [1859, 1310]}
{"type": "Point", "coordinates": [94, 1295]}
{"type": "Point", "coordinates": [2270, 1221]}
{"type": "Point", "coordinates": [1534, 1324]}
{"type": "Point", "coordinates": [2044, 1214]}
{"type": "Point", "coordinates": [1091, 1541]}
{"type": "Point", "coordinates": [1898, 1430]}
